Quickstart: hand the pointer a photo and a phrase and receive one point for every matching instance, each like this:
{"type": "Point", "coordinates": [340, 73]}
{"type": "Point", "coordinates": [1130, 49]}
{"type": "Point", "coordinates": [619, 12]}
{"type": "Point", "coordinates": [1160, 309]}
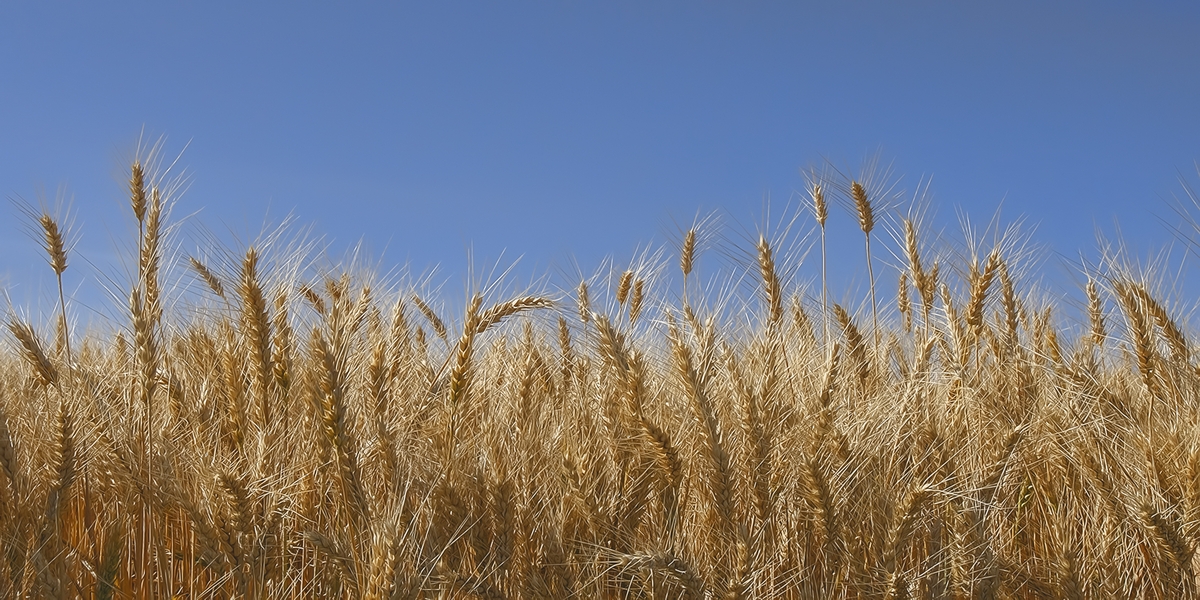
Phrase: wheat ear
{"type": "Point", "coordinates": [1169, 536]}
{"type": "Point", "coordinates": [439, 327]}
{"type": "Point", "coordinates": [8, 452]}
{"type": "Point", "coordinates": [817, 493]}
{"type": "Point", "coordinates": [916, 269]}
{"type": "Point", "coordinates": [584, 304]}
{"type": "Point", "coordinates": [314, 298]}
{"type": "Point", "coordinates": [65, 463]}
{"type": "Point", "coordinates": [636, 299]}
{"type": "Point", "coordinates": [855, 346]}
{"type": "Point", "coordinates": [257, 325]}
{"type": "Point", "coordinates": [150, 257]}
{"type": "Point", "coordinates": [109, 568]}
{"type": "Point", "coordinates": [866, 222]}
{"type": "Point", "coordinates": [623, 287]}
{"type": "Point", "coordinates": [687, 256]}
{"type": "Point", "coordinates": [770, 278]}
{"type": "Point", "coordinates": [1139, 329]}
{"type": "Point", "coordinates": [492, 316]}
{"type": "Point", "coordinates": [31, 350]}
{"type": "Point", "coordinates": [980, 282]}
{"type": "Point", "coordinates": [281, 360]}
{"type": "Point", "coordinates": [460, 375]}
{"type": "Point", "coordinates": [902, 532]}
{"type": "Point", "coordinates": [57, 250]}
{"type": "Point", "coordinates": [334, 420]}
{"type": "Point", "coordinates": [1008, 297]}
{"type": "Point", "coordinates": [987, 492]}
{"type": "Point", "coordinates": [1095, 313]}
{"type": "Point", "coordinates": [336, 553]}
{"type": "Point", "coordinates": [630, 374]}
{"type": "Point", "coordinates": [710, 432]}
{"type": "Point", "coordinates": [1173, 335]}
{"type": "Point", "coordinates": [210, 279]}
{"type": "Point", "coordinates": [137, 194]}
{"type": "Point", "coordinates": [672, 565]}
{"type": "Point", "coordinates": [821, 211]}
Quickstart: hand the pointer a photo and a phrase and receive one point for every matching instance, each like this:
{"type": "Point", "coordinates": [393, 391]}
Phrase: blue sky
{"type": "Point", "coordinates": [564, 132]}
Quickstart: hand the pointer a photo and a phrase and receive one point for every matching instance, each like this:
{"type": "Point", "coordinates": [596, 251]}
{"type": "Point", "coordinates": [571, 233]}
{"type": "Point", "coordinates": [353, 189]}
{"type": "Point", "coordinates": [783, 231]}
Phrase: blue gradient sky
{"type": "Point", "coordinates": [568, 131]}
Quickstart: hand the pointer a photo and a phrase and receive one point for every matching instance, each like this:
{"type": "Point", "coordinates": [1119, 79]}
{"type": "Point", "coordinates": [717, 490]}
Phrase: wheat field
{"type": "Point", "coordinates": [281, 433]}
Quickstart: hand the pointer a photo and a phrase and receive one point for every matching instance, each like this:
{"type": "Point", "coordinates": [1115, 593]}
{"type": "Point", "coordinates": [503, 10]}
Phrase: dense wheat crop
{"type": "Point", "coordinates": [280, 431]}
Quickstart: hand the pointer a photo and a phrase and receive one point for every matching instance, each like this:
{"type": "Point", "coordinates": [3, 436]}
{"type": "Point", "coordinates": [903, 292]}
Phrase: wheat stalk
{"type": "Point", "coordinates": [57, 251]}
{"type": "Point", "coordinates": [866, 222]}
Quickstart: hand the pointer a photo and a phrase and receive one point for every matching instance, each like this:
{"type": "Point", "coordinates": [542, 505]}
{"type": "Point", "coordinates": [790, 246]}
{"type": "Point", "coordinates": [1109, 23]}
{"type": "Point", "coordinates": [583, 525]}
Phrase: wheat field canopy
{"type": "Point", "coordinates": [262, 429]}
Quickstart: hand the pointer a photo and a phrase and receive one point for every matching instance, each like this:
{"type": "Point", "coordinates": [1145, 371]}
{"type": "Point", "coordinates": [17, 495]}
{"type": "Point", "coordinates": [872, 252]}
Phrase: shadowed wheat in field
{"type": "Point", "coordinates": [279, 431]}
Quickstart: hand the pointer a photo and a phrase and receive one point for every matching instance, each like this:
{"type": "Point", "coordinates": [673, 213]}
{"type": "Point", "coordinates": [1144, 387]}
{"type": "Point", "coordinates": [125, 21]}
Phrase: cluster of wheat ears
{"type": "Point", "coordinates": [282, 438]}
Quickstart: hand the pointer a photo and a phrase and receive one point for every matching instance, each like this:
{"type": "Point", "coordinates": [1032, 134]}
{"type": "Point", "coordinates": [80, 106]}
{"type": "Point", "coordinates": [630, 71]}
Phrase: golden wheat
{"type": "Point", "coordinates": [656, 447]}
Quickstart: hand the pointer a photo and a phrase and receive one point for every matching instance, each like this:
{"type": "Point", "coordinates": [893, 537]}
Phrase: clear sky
{"type": "Point", "coordinates": [567, 131]}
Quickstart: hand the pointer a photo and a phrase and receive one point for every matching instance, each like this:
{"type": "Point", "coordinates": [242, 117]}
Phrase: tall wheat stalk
{"type": "Point", "coordinates": [866, 222]}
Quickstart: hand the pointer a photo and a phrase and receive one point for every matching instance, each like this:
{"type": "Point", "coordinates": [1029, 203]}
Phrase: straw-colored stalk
{"type": "Point", "coordinates": [57, 250]}
{"type": "Point", "coordinates": [866, 222]}
{"type": "Point", "coordinates": [821, 211]}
